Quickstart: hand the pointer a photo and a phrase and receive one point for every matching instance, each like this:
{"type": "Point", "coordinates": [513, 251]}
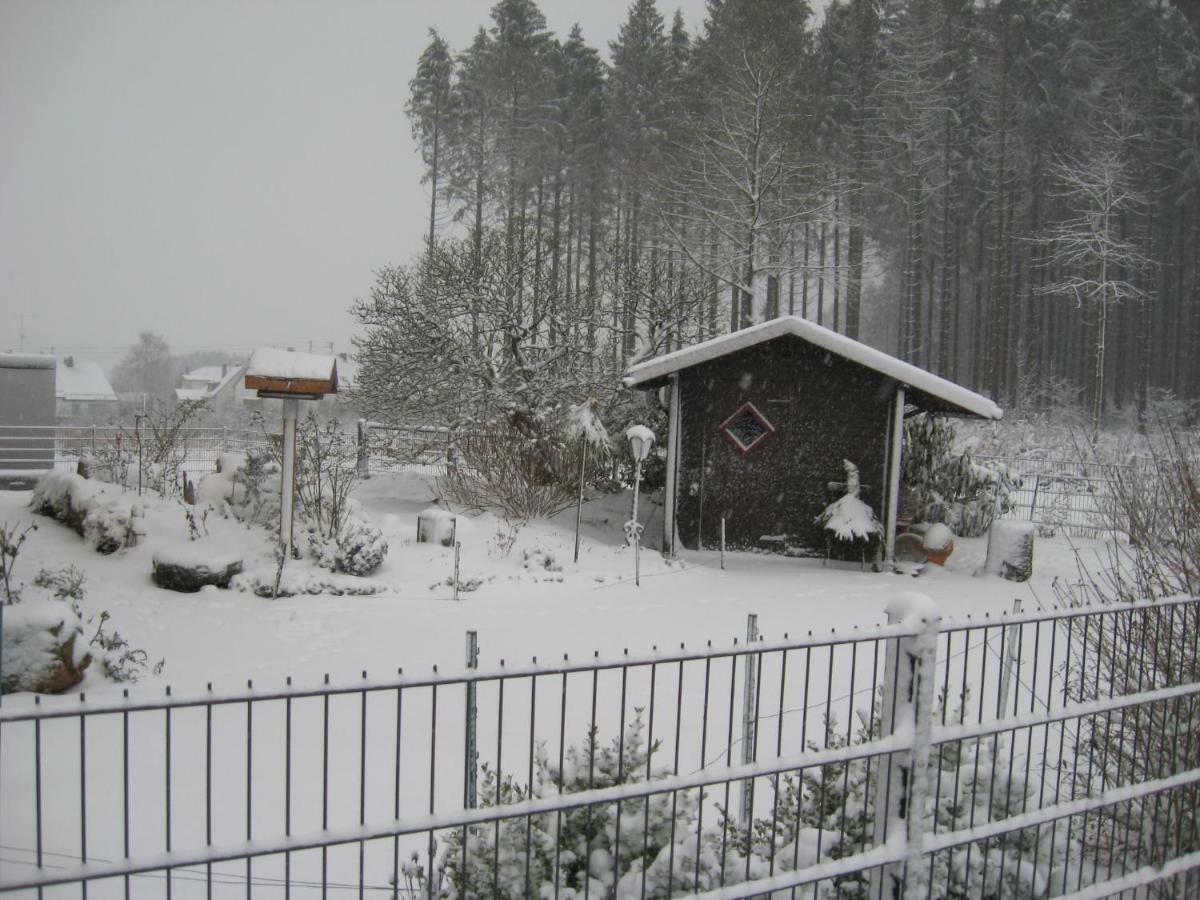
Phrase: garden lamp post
{"type": "Point", "coordinates": [641, 441]}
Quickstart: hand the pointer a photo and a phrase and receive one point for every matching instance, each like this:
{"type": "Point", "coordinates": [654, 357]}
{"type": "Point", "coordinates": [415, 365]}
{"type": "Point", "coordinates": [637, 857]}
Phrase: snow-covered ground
{"type": "Point", "coordinates": [528, 599]}
{"type": "Point", "coordinates": [531, 598]}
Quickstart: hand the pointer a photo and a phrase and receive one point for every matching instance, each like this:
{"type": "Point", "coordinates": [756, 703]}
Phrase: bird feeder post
{"type": "Point", "coordinates": [290, 377]}
{"type": "Point", "coordinates": [287, 485]}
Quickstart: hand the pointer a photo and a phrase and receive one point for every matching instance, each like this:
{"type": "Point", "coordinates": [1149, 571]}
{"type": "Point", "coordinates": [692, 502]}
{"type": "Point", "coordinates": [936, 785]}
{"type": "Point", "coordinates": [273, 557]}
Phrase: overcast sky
{"type": "Point", "coordinates": [224, 173]}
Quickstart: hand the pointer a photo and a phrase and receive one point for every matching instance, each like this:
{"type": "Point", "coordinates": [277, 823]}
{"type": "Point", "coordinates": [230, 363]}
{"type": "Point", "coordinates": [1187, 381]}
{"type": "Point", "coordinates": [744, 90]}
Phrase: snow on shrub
{"type": "Point", "coordinates": [102, 519]}
{"type": "Point", "coordinates": [296, 582]}
{"type": "Point", "coordinates": [947, 487]}
{"type": "Point", "coordinates": [361, 548]}
{"type": "Point", "coordinates": [592, 843]}
{"type": "Point", "coordinates": [44, 649]}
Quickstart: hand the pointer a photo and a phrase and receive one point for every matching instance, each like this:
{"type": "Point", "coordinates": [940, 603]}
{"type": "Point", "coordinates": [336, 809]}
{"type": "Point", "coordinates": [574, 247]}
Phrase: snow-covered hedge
{"type": "Point", "coordinates": [103, 517]}
{"type": "Point", "coordinates": [44, 648]}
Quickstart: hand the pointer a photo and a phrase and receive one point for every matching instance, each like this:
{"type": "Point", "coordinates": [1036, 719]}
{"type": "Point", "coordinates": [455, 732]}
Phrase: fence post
{"type": "Point", "coordinates": [748, 719]}
{"type": "Point", "coordinates": [1009, 665]}
{"type": "Point", "coordinates": [363, 459]}
{"type": "Point", "coordinates": [471, 759]}
{"type": "Point", "coordinates": [902, 785]}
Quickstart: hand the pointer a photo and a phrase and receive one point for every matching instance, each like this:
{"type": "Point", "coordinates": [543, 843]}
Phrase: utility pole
{"type": "Point", "coordinates": [21, 330]}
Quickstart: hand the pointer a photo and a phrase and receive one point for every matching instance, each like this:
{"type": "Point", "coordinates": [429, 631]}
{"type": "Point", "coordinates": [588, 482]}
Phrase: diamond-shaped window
{"type": "Point", "coordinates": [747, 428]}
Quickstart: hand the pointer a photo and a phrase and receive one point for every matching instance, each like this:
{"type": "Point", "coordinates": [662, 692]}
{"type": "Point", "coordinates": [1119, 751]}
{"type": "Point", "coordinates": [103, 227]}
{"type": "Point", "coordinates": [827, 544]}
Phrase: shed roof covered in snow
{"type": "Point", "coordinates": [82, 381]}
{"type": "Point", "coordinates": [926, 389]}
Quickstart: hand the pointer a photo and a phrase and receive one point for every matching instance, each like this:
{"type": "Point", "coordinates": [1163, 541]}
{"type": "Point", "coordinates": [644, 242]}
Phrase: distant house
{"type": "Point", "coordinates": [82, 391]}
{"type": "Point", "coordinates": [214, 384]}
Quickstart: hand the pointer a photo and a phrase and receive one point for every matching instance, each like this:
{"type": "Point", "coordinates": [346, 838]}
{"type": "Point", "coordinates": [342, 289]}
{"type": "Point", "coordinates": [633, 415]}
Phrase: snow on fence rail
{"type": "Point", "coordinates": [1048, 753]}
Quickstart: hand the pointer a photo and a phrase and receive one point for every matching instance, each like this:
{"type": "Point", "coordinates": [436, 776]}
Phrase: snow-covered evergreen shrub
{"type": "Point", "coordinates": [585, 841]}
{"type": "Point", "coordinates": [361, 548]}
{"type": "Point", "coordinates": [947, 487]}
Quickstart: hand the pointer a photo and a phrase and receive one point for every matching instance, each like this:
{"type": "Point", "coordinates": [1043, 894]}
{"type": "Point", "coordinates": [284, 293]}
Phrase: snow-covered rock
{"type": "Point", "coordinates": [44, 648]}
{"type": "Point", "coordinates": [187, 567]}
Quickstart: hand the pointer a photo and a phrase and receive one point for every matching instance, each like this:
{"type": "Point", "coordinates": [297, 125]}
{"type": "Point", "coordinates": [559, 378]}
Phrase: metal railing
{"type": "Point", "coordinates": [37, 448]}
{"type": "Point", "coordinates": [1030, 755]}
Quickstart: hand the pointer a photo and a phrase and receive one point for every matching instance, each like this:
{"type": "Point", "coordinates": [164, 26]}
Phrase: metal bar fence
{"type": "Point", "coordinates": [607, 778]}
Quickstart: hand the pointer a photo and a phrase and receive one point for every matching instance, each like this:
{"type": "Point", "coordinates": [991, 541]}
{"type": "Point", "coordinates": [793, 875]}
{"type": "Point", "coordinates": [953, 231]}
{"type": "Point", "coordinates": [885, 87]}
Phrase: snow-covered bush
{"type": "Point", "coordinates": [304, 581]}
{"type": "Point", "coordinates": [361, 548]}
{"type": "Point", "coordinates": [103, 520]}
{"type": "Point", "coordinates": [162, 449]}
{"type": "Point", "coordinates": [520, 470]}
{"type": "Point", "coordinates": [947, 487]}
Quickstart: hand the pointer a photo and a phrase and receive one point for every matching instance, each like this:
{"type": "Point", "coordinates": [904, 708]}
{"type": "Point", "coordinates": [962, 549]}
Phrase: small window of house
{"type": "Point", "coordinates": [747, 428]}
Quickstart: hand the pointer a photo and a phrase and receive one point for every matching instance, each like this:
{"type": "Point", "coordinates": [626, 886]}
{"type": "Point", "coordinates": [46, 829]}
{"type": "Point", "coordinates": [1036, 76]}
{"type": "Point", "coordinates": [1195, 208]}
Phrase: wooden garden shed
{"type": "Point", "coordinates": [761, 420]}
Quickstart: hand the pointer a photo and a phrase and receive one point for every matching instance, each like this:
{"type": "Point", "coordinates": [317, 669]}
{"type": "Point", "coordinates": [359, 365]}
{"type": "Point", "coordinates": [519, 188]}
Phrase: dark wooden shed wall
{"type": "Point", "coordinates": [824, 409]}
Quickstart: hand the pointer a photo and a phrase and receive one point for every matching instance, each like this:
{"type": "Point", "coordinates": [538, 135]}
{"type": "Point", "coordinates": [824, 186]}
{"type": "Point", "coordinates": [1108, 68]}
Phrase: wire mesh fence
{"type": "Point", "coordinates": [394, 448]}
{"type": "Point", "coordinates": [1046, 753]}
{"type": "Point", "coordinates": [1064, 496]}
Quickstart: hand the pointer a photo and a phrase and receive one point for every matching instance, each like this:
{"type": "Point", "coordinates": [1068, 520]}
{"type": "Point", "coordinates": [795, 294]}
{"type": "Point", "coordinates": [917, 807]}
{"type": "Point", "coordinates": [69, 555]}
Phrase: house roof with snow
{"type": "Point", "coordinates": [931, 391]}
{"type": "Point", "coordinates": [82, 381]}
{"type": "Point", "coordinates": [207, 382]}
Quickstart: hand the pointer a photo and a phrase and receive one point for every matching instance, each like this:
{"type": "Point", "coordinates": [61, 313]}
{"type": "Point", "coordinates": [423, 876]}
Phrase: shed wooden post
{"type": "Point", "coordinates": [893, 483]}
{"type": "Point", "coordinates": [672, 489]}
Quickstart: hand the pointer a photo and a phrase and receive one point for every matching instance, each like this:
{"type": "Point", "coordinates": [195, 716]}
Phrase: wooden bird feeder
{"type": "Point", "coordinates": [290, 377]}
{"type": "Point", "coordinates": [283, 374]}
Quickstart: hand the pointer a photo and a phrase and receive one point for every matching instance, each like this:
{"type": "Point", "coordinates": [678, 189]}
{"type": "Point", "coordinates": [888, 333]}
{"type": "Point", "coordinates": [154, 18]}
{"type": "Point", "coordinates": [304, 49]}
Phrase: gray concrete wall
{"type": "Point", "coordinates": [26, 399]}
